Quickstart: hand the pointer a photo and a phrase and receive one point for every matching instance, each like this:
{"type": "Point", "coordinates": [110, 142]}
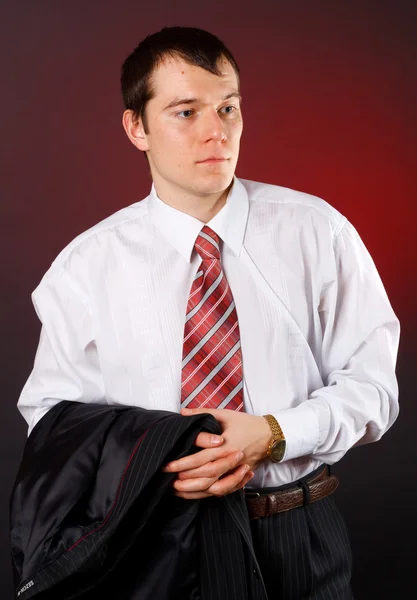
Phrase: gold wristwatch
{"type": "Point", "coordinates": [276, 448]}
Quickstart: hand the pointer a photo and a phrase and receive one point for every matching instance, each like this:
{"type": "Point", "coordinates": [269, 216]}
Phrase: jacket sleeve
{"type": "Point", "coordinates": [360, 337]}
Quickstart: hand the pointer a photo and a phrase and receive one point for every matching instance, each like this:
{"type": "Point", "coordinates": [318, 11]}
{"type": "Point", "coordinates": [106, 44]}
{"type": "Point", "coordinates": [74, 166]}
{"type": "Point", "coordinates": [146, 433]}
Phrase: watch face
{"type": "Point", "coordinates": [278, 451]}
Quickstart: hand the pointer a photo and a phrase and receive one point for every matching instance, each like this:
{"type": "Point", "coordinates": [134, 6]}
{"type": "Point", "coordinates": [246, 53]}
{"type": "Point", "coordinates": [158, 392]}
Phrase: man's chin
{"type": "Point", "coordinates": [214, 184]}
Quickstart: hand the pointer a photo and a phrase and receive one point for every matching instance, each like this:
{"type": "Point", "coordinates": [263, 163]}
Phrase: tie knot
{"type": "Point", "coordinates": [207, 244]}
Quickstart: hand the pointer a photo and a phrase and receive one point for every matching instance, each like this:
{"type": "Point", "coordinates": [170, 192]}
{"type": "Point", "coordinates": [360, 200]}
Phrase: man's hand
{"type": "Point", "coordinates": [216, 471]}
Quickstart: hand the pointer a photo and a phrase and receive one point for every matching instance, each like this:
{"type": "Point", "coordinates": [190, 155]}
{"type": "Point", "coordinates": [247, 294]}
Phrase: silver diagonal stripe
{"type": "Point", "coordinates": [210, 239]}
{"type": "Point", "coordinates": [197, 275]}
{"type": "Point", "coordinates": [210, 376]}
{"type": "Point", "coordinates": [204, 298]}
{"type": "Point", "coordinates": [208, 335]}
{"type": "Point", "coordinates": [231, 395]}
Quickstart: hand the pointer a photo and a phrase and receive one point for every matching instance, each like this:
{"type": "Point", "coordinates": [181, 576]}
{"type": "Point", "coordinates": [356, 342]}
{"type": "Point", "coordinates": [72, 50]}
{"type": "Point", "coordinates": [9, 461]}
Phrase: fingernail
{"type": "Point", "coordinates": [246, 468]}
{"type": "Point", "coordinates": [239, 456]}
{"type": "Point", "coordinates": [216, 439]}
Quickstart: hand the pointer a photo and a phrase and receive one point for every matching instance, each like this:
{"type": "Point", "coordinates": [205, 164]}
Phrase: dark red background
{"type": "Point", "coordinates": [329, 101]}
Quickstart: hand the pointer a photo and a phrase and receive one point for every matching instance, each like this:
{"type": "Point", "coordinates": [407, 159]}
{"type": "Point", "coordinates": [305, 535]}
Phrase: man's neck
{"type": "Point", "coordinates": [203, 208]}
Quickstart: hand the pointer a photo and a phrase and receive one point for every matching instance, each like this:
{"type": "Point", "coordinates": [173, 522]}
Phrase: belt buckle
{"type": "Point", "coordinates": [250, 494]}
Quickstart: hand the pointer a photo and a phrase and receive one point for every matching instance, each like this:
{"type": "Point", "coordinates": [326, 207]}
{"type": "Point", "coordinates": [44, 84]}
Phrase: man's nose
{"type": "Point", "coordinates": [213, 127]}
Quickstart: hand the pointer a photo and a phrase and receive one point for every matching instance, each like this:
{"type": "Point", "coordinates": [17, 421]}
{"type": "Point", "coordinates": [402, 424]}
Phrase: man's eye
{"type": "Point", "coordinates": [185, 114]}
{"type": "Point", "coordinates": [228, 110]}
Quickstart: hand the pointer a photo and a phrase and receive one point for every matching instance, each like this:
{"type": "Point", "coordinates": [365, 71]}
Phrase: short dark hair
{"type": "Point", "coordinates": [195, 46]}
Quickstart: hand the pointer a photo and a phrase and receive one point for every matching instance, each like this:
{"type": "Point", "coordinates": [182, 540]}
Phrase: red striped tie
{"type": "Point", "coordinates": [212, 358]}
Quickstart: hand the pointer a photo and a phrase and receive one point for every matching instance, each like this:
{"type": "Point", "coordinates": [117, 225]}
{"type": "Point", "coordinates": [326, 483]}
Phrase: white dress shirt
{"type": "Point", "coordinates": [319, 337]}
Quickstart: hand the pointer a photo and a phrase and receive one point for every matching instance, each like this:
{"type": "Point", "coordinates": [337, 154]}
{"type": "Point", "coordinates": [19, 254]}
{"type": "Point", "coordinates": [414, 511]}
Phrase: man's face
{"type": "Point", "coordinates": [194, 128]}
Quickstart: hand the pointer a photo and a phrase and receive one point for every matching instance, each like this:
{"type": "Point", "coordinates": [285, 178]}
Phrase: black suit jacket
{"type": "Point", "coordinates": [94, 517]}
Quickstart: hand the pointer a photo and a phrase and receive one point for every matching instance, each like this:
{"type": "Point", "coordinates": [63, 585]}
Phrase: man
{"type": "Point", "coordinates": [217, 293]}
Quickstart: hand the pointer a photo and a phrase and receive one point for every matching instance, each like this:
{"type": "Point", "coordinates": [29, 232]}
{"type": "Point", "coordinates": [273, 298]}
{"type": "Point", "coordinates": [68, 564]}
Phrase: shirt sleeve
{"type": "Point", "coordinates": [360, 337]}
{"type": "Point", "coordinates": [66, 364]}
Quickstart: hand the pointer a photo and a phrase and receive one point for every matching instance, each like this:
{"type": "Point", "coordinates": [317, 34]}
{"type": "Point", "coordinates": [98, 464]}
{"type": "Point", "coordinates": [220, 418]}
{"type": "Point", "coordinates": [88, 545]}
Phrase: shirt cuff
{"type": "Point", "coordinates": [301, 429]}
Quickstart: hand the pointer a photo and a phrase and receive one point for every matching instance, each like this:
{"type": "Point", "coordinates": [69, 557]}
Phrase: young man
{"type": "Point", "coordinates": [218, 293]}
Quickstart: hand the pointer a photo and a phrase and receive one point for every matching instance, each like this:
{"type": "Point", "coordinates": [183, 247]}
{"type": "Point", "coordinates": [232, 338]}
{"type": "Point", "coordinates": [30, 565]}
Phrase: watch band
{"type": "Point", "coordinates": [276, 430]}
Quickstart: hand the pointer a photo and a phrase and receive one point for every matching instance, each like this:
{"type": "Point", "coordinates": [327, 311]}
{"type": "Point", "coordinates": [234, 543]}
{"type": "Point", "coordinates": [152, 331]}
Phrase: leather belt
{"type": "Point", "coordinates": [306, 490]}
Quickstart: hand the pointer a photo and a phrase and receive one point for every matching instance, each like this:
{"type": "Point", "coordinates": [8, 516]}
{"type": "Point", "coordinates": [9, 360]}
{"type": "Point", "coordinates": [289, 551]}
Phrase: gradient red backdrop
{"type": "Point", "coordinates": [329, 105]}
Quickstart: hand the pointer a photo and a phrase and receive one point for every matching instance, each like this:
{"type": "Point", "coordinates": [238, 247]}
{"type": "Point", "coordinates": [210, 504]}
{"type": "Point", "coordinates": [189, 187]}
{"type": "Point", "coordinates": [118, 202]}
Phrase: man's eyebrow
{"type": "Point", "coordinates": [233, 95]}
{"type": "Point", "coordinates": [178, 101]}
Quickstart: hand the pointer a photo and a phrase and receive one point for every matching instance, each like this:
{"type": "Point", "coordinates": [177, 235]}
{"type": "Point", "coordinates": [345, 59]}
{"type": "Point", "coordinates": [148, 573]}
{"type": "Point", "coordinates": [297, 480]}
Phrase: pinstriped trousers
{"type": "Point", "coordinates": [304, 553]}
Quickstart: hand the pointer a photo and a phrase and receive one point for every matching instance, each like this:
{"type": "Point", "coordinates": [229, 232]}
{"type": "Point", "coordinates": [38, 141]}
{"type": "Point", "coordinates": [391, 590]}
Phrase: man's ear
{"type": "Point", "coordinates": [133, 127]}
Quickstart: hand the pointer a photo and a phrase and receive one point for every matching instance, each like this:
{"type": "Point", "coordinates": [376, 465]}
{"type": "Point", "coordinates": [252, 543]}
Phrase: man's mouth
{"type": "Point", "coordinates": [213, 159]}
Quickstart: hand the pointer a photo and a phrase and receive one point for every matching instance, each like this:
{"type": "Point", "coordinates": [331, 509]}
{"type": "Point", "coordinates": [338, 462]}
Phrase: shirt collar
{"type": "Point", "coordinates": [181, 229]}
